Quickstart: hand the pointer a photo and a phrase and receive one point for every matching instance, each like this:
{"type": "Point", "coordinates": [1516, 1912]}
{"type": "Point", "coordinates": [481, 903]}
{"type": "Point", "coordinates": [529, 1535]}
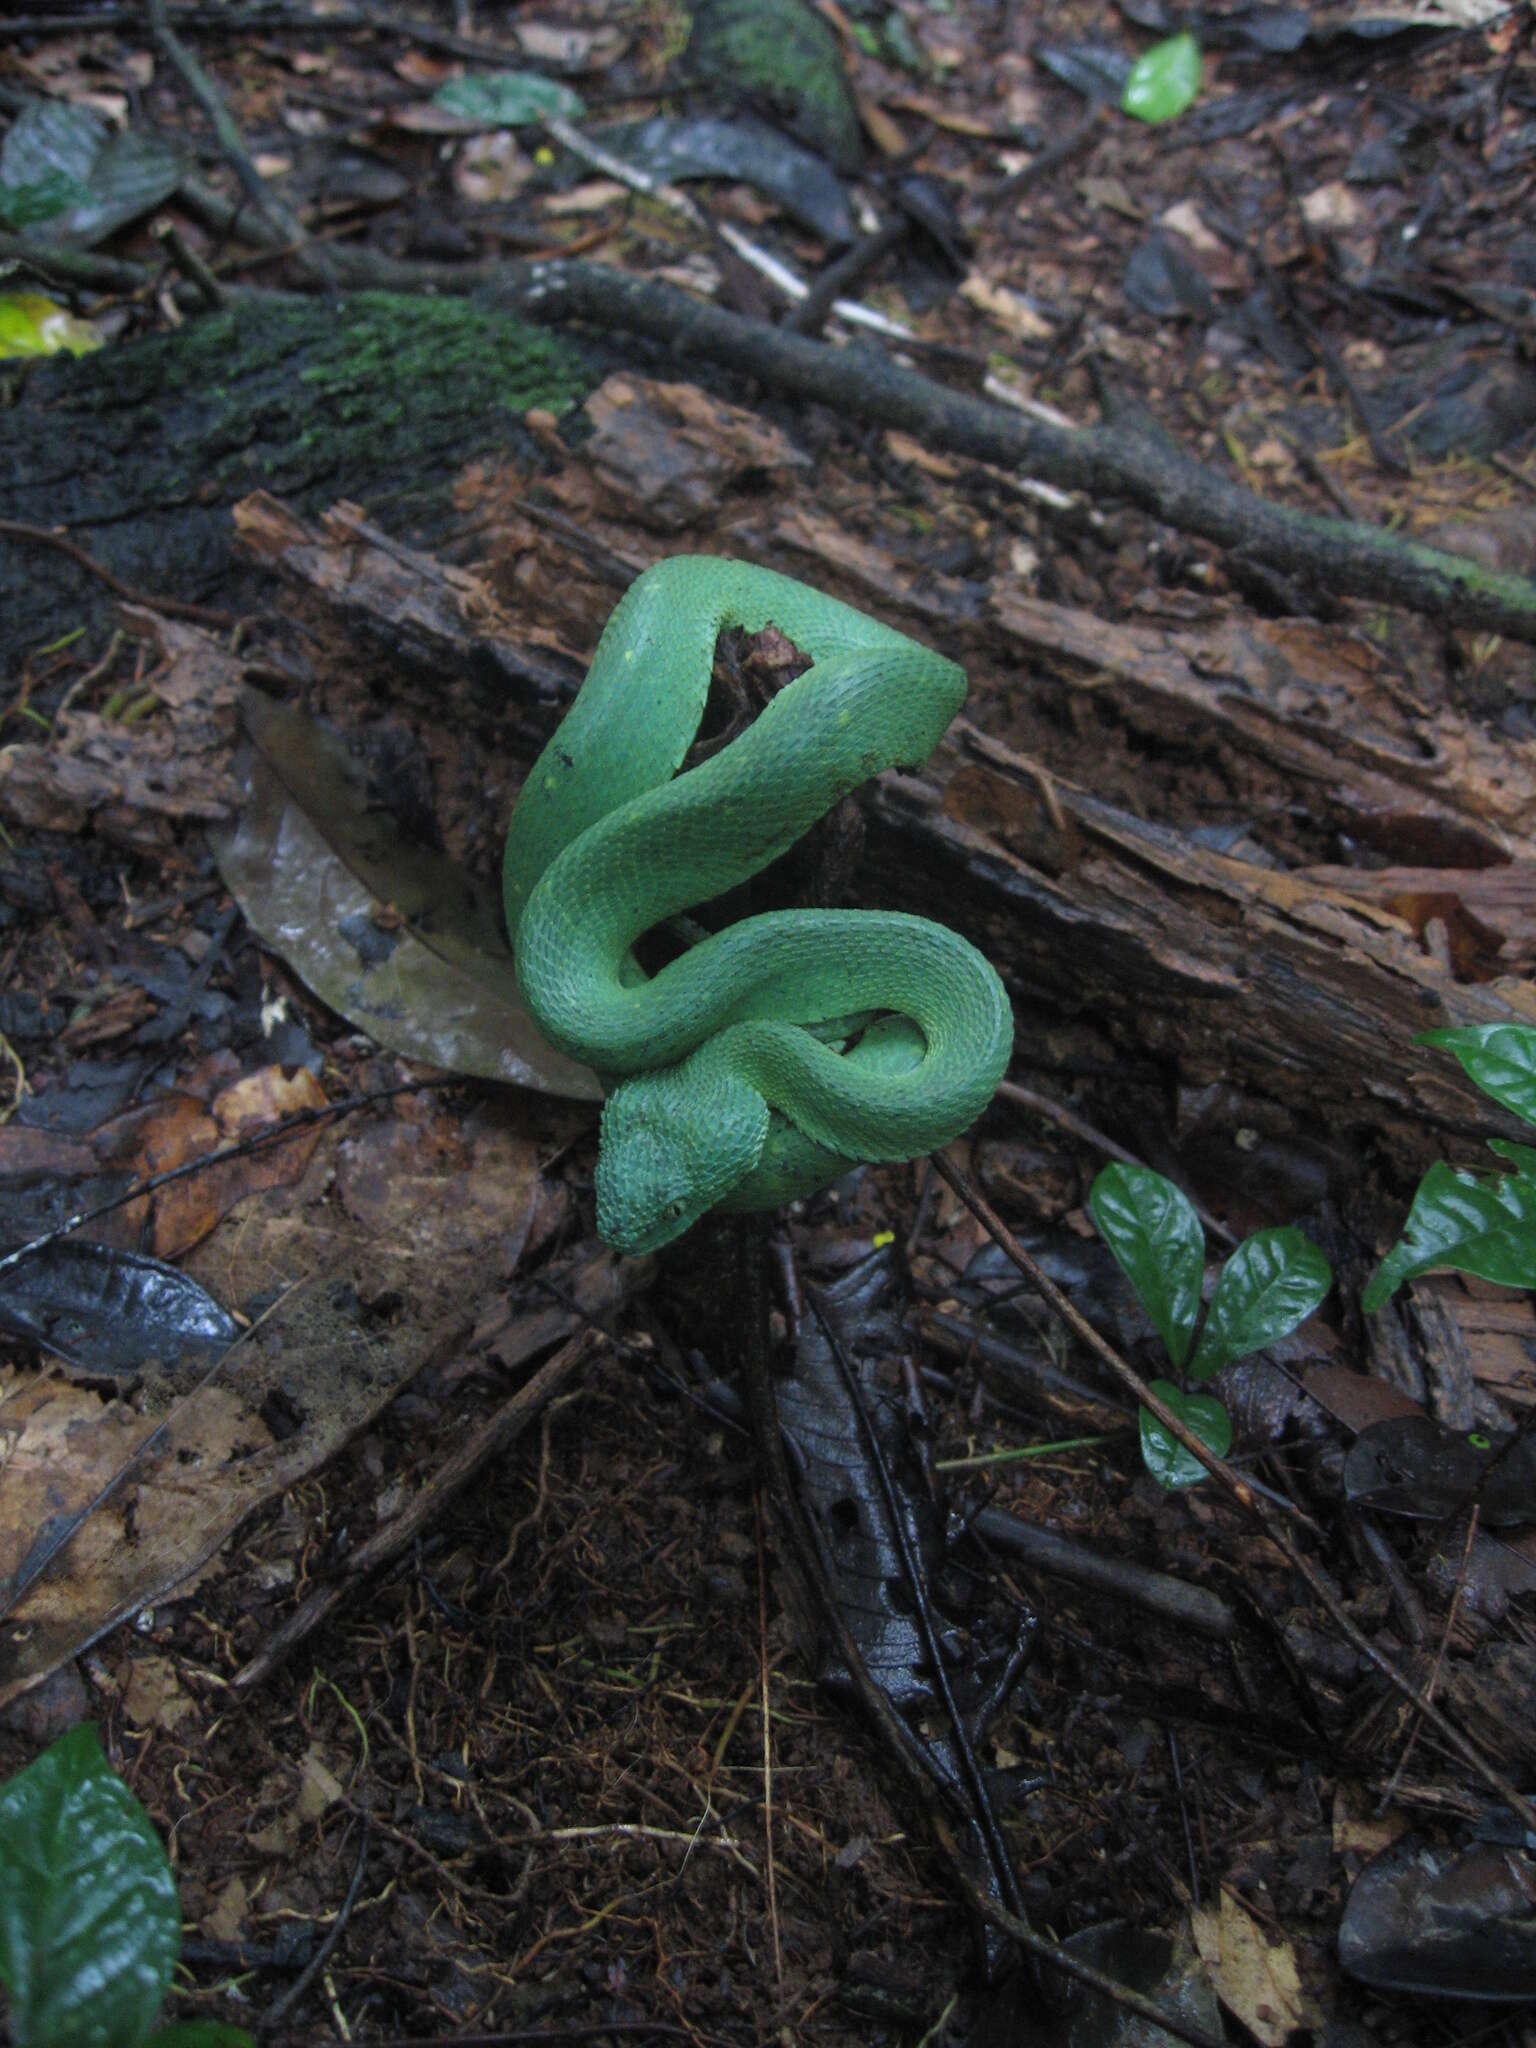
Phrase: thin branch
{"type": "Point", "coordinates": [1128, 459]}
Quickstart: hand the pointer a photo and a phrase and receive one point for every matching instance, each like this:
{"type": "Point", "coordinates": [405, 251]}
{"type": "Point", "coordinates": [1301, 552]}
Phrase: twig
{"type": "Point", "coordinates": [770, 1868]}
{"type": "Point", "coordinates": [206, 95]}
{"type": "Point", "coordinates": [1067, 1119]}
{"type": "Point", "coordinates": [1124, 461]}
{"type": "Point", "coordinates": [982, 1815]}
{"type": "Point", "coordinates": [804, 1555]}
{"type": "Point", "coordinates": [1181, 1605]}
{"type": "Point", "coordinates": [286, 2000]}
{"type": "Point", "coordinates": [1390, 1793]}
{"type": "Point", "coordinates": [1070, 1965]}
{"type": "Point", "coordinates": [751, 253]}
{"type": "Point", "coordinates": [171, 607]}
{"type": "Point", "coordinates": [74, 269]}
{"type": "Point", "coordinates": [189, 263]}
{"type": "Point", "coordinates": [1048, 160]}
{"type": "Point", "coordinates": [839, 278]}
{"type": "Point", "coordinates": [21, 1087]}
{"type": "Point", "coordinates": [1513, 470]}
{"type": "Point", "coordinates": [500, 1430]}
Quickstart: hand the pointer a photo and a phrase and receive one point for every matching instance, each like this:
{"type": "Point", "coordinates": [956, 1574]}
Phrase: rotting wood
{"type": "Point", "coordinates": [1209, 968]}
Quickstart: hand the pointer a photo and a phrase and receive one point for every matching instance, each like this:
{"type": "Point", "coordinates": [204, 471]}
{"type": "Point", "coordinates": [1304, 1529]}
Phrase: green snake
{"type": "Point", "coordinates": [746, 1072]}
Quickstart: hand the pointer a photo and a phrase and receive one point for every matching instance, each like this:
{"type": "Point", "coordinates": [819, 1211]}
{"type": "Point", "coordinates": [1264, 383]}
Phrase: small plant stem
{"type": "Point", "coordinates": [1241, 1492]}
{"type": "Point", "coordinates": [1082, 1329]}
{"type": "Point", "coordinates": [750, 1244]}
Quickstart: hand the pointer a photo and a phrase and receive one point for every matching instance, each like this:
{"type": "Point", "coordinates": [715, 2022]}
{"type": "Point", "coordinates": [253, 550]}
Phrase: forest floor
{"type": "Point", "coordinates": [447, 1629]}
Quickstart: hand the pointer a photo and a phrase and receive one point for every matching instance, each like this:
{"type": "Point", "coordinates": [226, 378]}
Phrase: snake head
{"type": "Point", "coordinates": [674, 1143]}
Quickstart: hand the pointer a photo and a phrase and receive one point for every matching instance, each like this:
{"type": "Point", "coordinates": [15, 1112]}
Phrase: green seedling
{"type": "Point", "coordinates": [1270, 1285]}
{"type": "Point", "coordinates": [90, 1922]}
{"type": "Point", "coordinates": [1483, 1224]}
{"type": "Point", "coordinates": [1163, 81]}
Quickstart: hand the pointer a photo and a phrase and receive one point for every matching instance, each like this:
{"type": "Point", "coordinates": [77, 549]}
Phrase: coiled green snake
{"type": "Point", "coordinates": [729, 1087]}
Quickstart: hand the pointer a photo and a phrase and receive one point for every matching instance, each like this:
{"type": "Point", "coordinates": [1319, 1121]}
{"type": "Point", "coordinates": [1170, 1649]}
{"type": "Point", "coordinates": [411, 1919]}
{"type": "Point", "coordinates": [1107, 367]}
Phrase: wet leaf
{"type": "Point", "coordinates": [1271, 1283]}
{"type": "Point", "coordinates": [509, 99]}
{"type": "Point", "coordinates": [1094, 70]}
{"type": "Point", "coordinates": [1479, 1224]}
{"type": "Point", "coordinates": [865, 1551]}
{"type": "Point", "coordinates": [1163, 81]}
{"type": "Point", "coordinates": [107, 1311]}
{"type": "Point", "coordinates": [1500, 1058]}
{"type": "Point", "coordinates": [1439, 1921]}
{"type": "Point", "coordinates": [747, 151]}
{"type": "Point", "coordinates": [1410, 1465]}
{"type": "Point", "coordinates": [1163, 280]}
{"type": "Point", "coordinates": [396, 937]}
{"type": "Point", "coordinates": [1163, 1455]}
{"type": "Point", "coordinates": [1154, 1233]}
{"type": "Point", "coordinates": [89, 1920]}
{"type": "Point", "coordinates": [122, 173]}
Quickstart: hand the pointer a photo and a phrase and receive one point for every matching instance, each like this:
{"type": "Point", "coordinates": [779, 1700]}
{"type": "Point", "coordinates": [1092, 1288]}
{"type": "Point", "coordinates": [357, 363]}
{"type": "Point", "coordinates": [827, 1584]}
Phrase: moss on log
{"type": "Point", "coordinates": [138, 450]}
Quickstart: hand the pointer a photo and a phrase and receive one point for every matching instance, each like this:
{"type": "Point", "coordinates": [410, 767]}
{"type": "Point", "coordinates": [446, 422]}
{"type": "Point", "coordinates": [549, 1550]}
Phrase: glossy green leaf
{"type": "Point", "coordinates": [1473, 1223]}
{"type": "Point", "coordinates": [1163, 1455]}
{"type": "Point", "coordinates": [89, 1921]}
{"type": "Point", "coordinates": [1163, 81]}
{"type": "Point", "coordinates": [1154, 1233]}
{"type": "Point", "coordinates": [1500, 1058]}
{"type": "Point", "coordinates": [1272, 1282]}
{"type": "Point", "coordinates": [509, 99]}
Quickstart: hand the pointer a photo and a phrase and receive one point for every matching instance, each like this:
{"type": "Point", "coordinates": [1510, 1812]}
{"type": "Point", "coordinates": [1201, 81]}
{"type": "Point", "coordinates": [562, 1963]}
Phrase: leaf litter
{"type": "Point", "coordinates": [583, 1577]}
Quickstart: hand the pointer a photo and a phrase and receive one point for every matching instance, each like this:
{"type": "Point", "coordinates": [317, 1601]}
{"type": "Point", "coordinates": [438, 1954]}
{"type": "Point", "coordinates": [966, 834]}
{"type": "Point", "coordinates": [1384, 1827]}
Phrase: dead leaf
{"type": "Point", "coordinates": [1008, 308]}
{"type": "Point", "coordinates": [396, 937]}
{"type": "Point", "coordinates": [154, 1697]}
{"type": "Point", "coordinates": [1256, 1978]}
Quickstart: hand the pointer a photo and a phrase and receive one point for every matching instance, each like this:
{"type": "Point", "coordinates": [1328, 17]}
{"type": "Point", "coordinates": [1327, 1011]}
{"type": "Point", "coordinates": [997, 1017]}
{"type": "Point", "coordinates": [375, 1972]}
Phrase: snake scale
{"type": "Point", "coordinates": [746, 1072]}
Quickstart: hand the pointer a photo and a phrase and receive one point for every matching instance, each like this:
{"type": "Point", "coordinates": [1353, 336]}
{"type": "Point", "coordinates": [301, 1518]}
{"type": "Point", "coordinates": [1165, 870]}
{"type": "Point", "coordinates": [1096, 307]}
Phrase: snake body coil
{"type": "Point", "coordinates": [725, 1089]}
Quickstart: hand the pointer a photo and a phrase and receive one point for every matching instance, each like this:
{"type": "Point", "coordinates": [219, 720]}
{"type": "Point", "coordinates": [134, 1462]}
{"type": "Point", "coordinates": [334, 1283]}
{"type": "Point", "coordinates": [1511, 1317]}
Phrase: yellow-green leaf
{"type": "Point", "coordinates": [31, 325]}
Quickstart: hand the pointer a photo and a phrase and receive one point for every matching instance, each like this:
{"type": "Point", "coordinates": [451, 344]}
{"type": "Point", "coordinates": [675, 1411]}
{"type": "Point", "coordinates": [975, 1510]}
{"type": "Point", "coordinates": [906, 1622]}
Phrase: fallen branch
{"type": "Point", "coordinates": [1124, 460]}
